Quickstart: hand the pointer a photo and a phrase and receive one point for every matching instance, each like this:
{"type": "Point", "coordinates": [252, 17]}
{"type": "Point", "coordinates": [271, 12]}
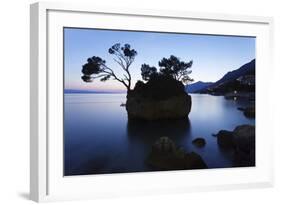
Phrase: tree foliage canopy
{"type": "Point", "coordinates": [96, 67]}
{"type": "Point", "coordinates": [147, 71]}
{"type": "Point", "coordinates": [124, 56]}
{"type": "Point", "coordinates": [171, 66]}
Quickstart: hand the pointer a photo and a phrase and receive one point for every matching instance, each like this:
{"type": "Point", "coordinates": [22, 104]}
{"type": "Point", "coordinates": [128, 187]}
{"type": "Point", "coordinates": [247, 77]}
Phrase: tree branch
{"type": "Point", "coordinates": [111, 73]}
{"type": "Point", "coordinates": [121, 57]}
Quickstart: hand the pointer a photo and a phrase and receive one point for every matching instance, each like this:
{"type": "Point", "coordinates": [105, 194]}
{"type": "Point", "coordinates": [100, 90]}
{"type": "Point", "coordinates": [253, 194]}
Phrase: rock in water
{"type": "Point", "coordinates": [173, 108]}
{"type": "Point", "coordinates": [166, 156]}
{"type": "Point", "coordinates": [250, 112]}
{"type": "Point", "coordinates": [159, 98]}
{"type": "Point", "coordinates": [225, 139]}
{"type": "Point", "coordinates": [199, 142]}
{"type": "Point", "coordinates": [164, 146]}
{"type": "Point", "coordinates": [244, 140]}
{"type": "Point", "coordinates": [194, 161]}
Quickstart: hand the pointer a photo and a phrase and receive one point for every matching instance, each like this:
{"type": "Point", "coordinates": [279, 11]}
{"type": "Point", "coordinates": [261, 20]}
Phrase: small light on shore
{"type": "Point", "coordinates": [235, 91]}
{"type": "Point", "coordinates": [235, 98]}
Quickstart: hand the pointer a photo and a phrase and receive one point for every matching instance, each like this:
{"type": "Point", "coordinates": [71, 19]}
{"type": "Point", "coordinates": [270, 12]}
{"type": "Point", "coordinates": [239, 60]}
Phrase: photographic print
{"type": "Point", "coordinates": [139, 101]}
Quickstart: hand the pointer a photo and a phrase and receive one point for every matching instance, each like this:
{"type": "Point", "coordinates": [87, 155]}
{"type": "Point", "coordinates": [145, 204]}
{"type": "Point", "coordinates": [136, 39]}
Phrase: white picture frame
{"type": "Point", "coordinates": [47, 182]}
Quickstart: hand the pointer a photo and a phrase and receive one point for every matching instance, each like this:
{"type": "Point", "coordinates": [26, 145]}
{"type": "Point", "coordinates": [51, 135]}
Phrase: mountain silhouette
{"type": "Point", "coordinates": [228, 79]}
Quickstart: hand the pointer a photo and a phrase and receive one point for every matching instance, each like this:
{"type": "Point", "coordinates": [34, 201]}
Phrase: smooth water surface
{"type": "Point", "coordinates": [99, 139]}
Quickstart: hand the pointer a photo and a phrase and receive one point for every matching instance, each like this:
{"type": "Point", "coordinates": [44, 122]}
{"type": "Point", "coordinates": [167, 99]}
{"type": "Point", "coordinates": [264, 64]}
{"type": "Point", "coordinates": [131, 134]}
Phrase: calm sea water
{"type": "Point", "coordinates": [99, 139]}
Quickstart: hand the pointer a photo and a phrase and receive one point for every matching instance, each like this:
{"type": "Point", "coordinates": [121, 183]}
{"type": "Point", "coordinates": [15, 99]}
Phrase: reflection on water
{"type": "Point", "coordinates": [99, 138]}
{"type": "Point", "coordinates": [145, 131]}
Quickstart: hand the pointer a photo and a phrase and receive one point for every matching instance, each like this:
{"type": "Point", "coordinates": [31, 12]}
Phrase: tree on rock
{"type": "Point", "coordinates": [96, 67]}
{"type": "Point", "coordinates": [179, 70]}
{"type": "Point", "coordinates": [147, 71]}
{"type": "Point", "coordinates": [170, 67]}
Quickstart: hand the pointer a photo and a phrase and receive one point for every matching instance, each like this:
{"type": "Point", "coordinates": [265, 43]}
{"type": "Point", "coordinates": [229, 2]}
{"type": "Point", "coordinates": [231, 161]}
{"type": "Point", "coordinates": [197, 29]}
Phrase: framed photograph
{"type": "Point", "coordinates": [129, 101]}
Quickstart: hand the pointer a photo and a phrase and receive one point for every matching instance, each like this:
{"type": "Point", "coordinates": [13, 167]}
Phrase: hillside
{"type": "Point", "coordinates": [195, 87]}
{"type": "Point", "coordinates": [242, 79]}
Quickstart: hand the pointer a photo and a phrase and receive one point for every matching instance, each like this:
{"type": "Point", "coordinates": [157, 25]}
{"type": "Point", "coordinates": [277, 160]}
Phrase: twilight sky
{"type": "Point", "coordinates": [212, 56]}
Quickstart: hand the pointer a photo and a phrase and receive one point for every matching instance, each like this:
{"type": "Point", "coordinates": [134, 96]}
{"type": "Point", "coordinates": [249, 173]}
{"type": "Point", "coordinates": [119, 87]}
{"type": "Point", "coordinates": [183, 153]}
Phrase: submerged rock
{"type": "Point", "coordinates": [159, 98]}
{"type": "Point", "coordinates": [166, 156]}
{"type": "Point", "coordinates": [199, 142]}
{"type": "Point", "coordinates": [164, 146]}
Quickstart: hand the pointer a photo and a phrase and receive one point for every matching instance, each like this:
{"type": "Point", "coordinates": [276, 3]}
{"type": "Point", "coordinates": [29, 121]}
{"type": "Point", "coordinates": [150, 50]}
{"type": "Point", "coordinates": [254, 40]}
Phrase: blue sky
{"type": "Point", "coordinates": [212, 55]}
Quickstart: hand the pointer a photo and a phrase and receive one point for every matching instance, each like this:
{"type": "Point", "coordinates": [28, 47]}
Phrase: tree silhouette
{"type": "Point", "coordinates": [179, 70]}
{"type": "Point", "coordinates": [171, 67]}
{"type": "Point", "coordinates": [147, 72]}
{"type": "Point", "coordinates": [96, 67]}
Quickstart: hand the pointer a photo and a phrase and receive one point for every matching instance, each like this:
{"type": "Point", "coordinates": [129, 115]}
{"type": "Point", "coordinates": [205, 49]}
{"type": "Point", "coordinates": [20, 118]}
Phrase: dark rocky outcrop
{"type": "Point", "coordinates": [249, 112]}
{"type": "Point", "coordinates": [199, 142]}
{"type": "Point", "coordinates": [166, 156]}
{"type": "Point", "coordinates": [194, 161]}
{"type": "Point", "coordinates": [161, 97]}
{"type": "Point", "coordinates": [242, 142]}
{"type": "Point", "coordinates": [225, 139]}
